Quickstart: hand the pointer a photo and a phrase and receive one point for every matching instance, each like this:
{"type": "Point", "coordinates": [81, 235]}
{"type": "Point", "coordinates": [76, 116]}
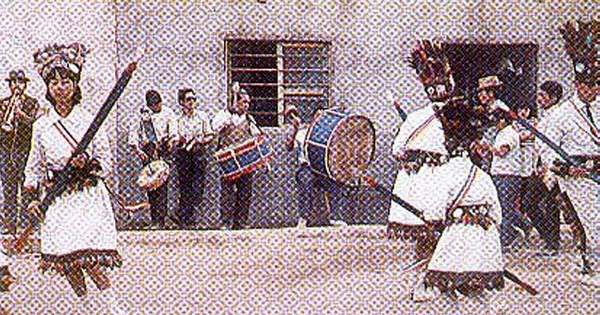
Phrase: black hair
{"type": "Point", "coordinates": [553, 89]}
{"type": "Point", "coordinates": [181, 94]}
{"type": "Point", "coordinates": [153, 98]}
{"type": "Point", "coordinates": [63, 73]}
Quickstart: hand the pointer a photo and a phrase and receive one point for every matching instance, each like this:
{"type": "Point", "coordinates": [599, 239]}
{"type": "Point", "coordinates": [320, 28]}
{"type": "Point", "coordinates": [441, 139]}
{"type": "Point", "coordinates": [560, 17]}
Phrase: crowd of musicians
{"type": "Point", "coordinates": [494, 179]}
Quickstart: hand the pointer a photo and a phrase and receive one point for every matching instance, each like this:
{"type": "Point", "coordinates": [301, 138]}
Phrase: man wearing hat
{"type": "Point", "coordinates": [17, 114]}
{"type": "Point", "coordinates": [574, 126]}
{"type": "Point", "coordinates": [491, 113]}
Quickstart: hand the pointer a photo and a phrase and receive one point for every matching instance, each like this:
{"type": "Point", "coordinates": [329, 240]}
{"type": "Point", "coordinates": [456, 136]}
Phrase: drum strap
{"type": "Point", "coordinates": [149, 131]}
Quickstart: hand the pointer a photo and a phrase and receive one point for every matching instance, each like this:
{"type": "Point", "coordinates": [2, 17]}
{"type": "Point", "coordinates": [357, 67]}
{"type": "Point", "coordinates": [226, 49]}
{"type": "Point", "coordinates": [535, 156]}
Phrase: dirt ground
{"type": "Point", "coordinates": [352, 270]}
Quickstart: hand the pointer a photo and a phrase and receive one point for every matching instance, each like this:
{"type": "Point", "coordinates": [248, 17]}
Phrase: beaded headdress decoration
{"type": "Point", "coordinates": [70, 57]}
{"type": "Point", "coordinates": [431, 63]}
{"type": "Point", "coordinates": [582, 44]}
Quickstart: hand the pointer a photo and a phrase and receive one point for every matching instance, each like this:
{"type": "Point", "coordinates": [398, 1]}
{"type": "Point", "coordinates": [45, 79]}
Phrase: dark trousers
{"type": "Point", "coordinates": [158, 204]}
{"type": "Point", "coordinates": [305, 194]}
{"type": "Point", "coordinates": [12, 167]}
{"type": "Point", "coordinates": [539, 204]}
{"type": "Point", "coordinates": [236, 196]}
{"type": "Point", "coordinates": [191, 170]}
{"type": "Point", "coordinates": [331, 197]}
{"type": "Point", "coordinates": [509, 188]}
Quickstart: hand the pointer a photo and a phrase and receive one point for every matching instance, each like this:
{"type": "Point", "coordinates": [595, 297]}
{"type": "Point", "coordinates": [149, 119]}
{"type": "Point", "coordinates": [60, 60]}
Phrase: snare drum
{"type": "Point", "coordinates": [339, 145]}
{"type": "Point", "coordinates": [245, 157]}
{"type": "Point", "coordinates": [154, 175]}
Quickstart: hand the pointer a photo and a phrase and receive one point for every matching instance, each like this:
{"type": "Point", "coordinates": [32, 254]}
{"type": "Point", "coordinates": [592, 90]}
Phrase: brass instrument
{"type": "Point", "coordinates": [8, 120]}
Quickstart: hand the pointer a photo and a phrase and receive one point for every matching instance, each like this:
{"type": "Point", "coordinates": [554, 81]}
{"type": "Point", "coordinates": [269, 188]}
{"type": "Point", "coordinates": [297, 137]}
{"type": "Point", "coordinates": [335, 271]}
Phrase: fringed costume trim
{"type": "Point", "coordinates": [80, 259]}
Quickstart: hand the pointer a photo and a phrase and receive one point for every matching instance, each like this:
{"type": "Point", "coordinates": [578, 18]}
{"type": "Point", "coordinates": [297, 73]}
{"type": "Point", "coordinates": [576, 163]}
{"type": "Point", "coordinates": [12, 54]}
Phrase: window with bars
{"type": "Point", "coordinates": [278, 74]}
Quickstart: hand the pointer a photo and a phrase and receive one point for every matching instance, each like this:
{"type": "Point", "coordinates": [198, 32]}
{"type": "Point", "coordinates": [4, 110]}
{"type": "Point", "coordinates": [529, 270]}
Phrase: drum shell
{"type": "Point", "coordinates": [244, 158]}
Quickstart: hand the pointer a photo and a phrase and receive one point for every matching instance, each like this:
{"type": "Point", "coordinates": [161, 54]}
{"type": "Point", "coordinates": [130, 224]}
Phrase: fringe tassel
{"type": "Point", "coordinates": [80, 259]}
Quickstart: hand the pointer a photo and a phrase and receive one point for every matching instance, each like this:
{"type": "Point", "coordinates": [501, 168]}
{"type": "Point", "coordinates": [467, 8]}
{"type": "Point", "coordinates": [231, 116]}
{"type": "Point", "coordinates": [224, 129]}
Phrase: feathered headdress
{"type": "Point", "coordinates": [432, 66]}
{"type": "Point", "coordinates": [582, 44]}
{"type": "Point", "coordinates": [70, 57]}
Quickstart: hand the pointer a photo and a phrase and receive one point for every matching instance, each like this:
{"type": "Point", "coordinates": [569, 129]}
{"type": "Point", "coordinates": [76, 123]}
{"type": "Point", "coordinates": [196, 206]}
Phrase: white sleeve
{"type": "Point", "coordinates": [133, 136]}
{"type": "Point", "coordinates": [399, 145]}
{"type": "Point", "coordinates": [220, 120]}
{"type": "Point", "coordinates": [254, 129]}
{"type": "Point", "coordinates": [553, 129]}
{"type": "Point", "coordinates": [101, 151]}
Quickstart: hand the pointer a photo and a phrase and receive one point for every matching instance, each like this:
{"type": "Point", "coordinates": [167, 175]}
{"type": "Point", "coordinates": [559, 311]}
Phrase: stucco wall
{"type": "Point", "coordinates": [184, 42]}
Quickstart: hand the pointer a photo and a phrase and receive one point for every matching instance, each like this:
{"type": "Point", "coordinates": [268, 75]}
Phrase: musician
{"type": "Point", "coordinates": [150, 138]}
{"type": "Point", "coordinates": [544, 210]}
{"type": "Point", "coordinates": [193, 132]}
{"type": "Point", "coordinates": [17, 114]}
{"type": "Point", "coordinates": [492, 111]}
{"type": "Point", "coordinates": [468, 257]}
{"type": "Point", "coordinates": [316, 193]}
{"type": "Point", "coordinates": [506, 171]}
{"type": "Point", "coordinates": [78, 231]}
{"type": "Point", "coordinates": [574, 127]}
{"type": "Point", "coordinates": [234, 125]}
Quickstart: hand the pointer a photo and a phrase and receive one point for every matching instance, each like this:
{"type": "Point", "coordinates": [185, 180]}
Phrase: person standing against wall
{"type": "Point", "coordinates": [234, 125]}
{"type": "Point", "coordinates": [192, 134]}
{"type": "Point", "coordinates": [150, 139]}
{"type": "Point", "coordinates": [17, 114]}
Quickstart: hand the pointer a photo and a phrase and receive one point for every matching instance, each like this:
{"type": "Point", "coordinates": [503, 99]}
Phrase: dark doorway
{"type": "Point", "coordinates": [514, 64]}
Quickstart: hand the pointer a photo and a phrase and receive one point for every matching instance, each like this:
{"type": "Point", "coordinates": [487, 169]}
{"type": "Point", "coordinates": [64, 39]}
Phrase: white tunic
{"type": "Point", "coordinates": [569, 128]}
{"type": "Point", "coordinates": [80, 220]}
{"type": "Point", "coordinates": [468, 247]}
{"type": "Point", "coordinates": [423, 131]}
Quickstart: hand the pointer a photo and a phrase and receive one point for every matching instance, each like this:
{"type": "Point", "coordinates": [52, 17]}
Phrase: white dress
{"type": "Point", "coordinates": [421, 132]}
{"type": "Point", "coordinates": [468, 255]}
{"type": "Point", "coordinates": [79, 226]}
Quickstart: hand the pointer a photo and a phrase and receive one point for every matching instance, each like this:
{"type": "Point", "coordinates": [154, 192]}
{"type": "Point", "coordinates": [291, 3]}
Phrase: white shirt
{"type": "Point", "coordinates": [225, 117]}
{"type": "Point", "coordinates": [299, 141]}
{"type": "Point", "coordinates": [569, 128]}
{"type": "Point", "coordinates": [163, 122]}
{"type": "Point", "coordinates": [197, 125]}
{"type": "Point", "coordinates": [421, 131]}
{"type": "Point", "coordinates": [508, 164]}
{"type": "Point", "coordinates": [50, 150]}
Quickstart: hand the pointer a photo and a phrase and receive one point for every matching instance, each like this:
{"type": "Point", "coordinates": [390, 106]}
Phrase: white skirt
{"type": "Point", "coordinates": [79, 221]}
{"type": "Point", "coordinates": [416, 190]}
{"type": "Point", "coordinates": [468, 248]}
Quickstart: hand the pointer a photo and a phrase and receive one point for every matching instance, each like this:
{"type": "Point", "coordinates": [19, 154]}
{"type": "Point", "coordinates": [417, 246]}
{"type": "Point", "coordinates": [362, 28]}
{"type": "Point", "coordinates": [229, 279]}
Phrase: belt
{"type": "Point", "coordinates": [471, 214]}
{"type": "Point", "coordinates": [415, 159]}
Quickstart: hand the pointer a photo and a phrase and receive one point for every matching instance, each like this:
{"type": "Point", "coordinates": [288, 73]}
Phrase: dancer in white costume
{"type": "Point", "coordinates": [468, 256]}
{"type": "Point", "coordinates": [78, 233]}
{"type": "Point", "coordinates": [575, 127]}
{"type": "Point", "coordinates": [419, 149]}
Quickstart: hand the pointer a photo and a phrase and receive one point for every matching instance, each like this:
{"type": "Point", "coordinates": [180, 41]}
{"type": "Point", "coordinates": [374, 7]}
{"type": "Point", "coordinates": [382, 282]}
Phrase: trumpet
{"type": "Point", "coordinates": [8, 120]}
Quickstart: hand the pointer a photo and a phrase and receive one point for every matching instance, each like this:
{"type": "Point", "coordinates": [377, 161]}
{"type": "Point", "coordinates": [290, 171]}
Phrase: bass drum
{"type": "Point", "coordinates": [340, 145]}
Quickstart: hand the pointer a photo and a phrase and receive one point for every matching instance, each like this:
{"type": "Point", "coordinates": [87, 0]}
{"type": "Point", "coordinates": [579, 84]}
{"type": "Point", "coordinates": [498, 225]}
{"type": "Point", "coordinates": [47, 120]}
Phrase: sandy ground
{"type": "Point", "coordinates": [353, 270]}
